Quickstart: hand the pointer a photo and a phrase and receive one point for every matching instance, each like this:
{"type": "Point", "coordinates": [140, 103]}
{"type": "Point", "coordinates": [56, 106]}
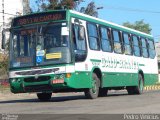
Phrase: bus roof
{"type": "Point", "coordinates": [97, 20]}
{"type": "Point", "coordinates": [88, 18]}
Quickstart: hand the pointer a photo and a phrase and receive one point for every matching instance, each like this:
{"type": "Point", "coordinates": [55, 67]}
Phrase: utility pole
{"type": "Point", "coordinates": [3, 15]}
{"type": "Point", "coordinates": [2, 26]}
{"type": "Point", "coordinates": [26, 7]}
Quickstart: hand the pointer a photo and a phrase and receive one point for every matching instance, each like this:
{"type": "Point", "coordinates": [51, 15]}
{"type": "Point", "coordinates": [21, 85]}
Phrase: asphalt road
{"type": "Point", "coordinates": [75, 103]}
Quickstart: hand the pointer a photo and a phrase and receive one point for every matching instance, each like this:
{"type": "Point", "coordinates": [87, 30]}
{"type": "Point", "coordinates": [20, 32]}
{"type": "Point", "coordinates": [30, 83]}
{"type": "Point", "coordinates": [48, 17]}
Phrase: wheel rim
{"type": "Point", "coordinates": [141, 85]}
{"type": "Point", "coordinates": [94, 86]}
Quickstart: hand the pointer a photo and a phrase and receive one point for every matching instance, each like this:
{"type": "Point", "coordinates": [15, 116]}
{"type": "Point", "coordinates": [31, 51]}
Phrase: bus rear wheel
{"type": "Point", "coordinates": [130, 90]}
{"type": "Point", "coordinates": [44, 96]}
{"type": "Point", "coordinates": [92, 92]}
{"type": "Point", "coordinates": [103, 92]}
{"type": "Point", "coordinates": [137, 89]}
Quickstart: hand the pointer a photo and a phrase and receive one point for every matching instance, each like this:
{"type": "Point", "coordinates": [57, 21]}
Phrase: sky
{"type": "Point", "coordinates": [120, 11]}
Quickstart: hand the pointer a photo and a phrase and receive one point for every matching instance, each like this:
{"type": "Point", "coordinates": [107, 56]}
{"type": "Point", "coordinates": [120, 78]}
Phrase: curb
{"type": "Point", "coordinates": [152, 87]}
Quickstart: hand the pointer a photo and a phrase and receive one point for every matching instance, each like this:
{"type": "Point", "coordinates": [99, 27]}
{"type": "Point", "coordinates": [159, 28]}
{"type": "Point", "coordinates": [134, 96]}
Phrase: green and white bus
{"type": "Point", "coordinates": [67, 51]}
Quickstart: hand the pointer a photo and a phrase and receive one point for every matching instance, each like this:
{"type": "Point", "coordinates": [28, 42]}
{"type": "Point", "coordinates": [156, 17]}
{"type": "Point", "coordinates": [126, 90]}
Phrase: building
{"type": "Point", "coordinates": [8, 10]}
{"type": "Point", "coordinates": [157, 45]}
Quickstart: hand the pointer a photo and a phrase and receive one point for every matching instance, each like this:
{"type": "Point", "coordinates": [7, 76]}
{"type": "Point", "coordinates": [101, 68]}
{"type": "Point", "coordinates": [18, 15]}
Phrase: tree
{"type": "Point", "coordinates": [26, 7]}
{"type": "Point", "coordinates": [44, 5]}
{"type": "Point", "coordinates": [91, 9]}
{"type": "Point", "coordinates": [4, 59]}
{"type": "Point", "coordinates": [140, 26]}
{"type": "Point", "coordinates": [41, 5]}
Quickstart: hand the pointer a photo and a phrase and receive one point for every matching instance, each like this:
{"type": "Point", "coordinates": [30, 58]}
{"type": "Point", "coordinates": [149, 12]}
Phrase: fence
{"type": "Point", "coordinates": [3, 66]}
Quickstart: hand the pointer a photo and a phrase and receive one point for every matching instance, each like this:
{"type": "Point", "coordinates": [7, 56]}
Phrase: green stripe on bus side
{"type": "Point", "coordinates": [150, 79]}
{"type": "Point", "coordinates": [127, 79]}
{"type": "Point", "coordinates": [112, 79]}
{"type": "Point", "coordinates": [141, 64]}
{"type": "Point", "coordinates": [95, 60]}
{"type": "Point", "coordinates": [82, 79]}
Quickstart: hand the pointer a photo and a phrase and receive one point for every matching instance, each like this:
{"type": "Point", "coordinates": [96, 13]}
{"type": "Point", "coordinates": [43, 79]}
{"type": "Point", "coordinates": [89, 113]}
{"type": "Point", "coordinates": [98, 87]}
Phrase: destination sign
{"type": "Point", "coordinates": [40, 17]}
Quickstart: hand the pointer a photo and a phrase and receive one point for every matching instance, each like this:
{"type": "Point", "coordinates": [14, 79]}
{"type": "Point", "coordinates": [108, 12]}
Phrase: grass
{"type": "Point", "coordinates": [4, 85]}
{"type": "Point", "coordinates": [3, 74]}
{"type": "Point", "coordinates": [4, 89]}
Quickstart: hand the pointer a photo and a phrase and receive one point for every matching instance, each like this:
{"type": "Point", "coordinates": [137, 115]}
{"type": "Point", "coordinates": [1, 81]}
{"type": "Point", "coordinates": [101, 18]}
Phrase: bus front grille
{"type": "Point", "coordinates": [39, 79]}
{"type": "Point", "coordinates": [37, 88]}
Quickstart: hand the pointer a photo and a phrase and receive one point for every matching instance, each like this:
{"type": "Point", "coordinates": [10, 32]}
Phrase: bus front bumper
{"type": "Point", "coordinates": [48, 83]}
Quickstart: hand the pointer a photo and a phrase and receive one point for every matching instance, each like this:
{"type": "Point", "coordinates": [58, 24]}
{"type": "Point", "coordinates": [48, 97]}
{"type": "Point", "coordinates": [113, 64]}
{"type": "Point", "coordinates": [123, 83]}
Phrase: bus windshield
{"type": "Point", "coordinates": [39, 45]}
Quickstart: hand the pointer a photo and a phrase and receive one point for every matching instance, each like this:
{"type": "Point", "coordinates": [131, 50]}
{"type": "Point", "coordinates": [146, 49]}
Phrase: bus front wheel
{"type": "Point", "coordinates": [92, 92]}
{"type": "Point", "coordinates": [44, 96]}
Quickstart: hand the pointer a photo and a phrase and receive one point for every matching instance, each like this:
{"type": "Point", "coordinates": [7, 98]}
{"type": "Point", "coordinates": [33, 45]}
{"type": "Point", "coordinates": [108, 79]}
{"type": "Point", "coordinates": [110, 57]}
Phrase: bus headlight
{"type": "Point", "coordinates": [61, 76]}
{"type": "Point", "coordinates": [13, 80]}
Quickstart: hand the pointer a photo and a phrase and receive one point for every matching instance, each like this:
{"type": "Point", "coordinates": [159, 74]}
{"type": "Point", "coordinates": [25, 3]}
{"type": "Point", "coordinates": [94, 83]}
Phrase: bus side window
{"type": "Point", "coordinates": [127, 44]}
{"type": "Point", "coordinates": [151, 48]}
{"type": "Point", "coordinates": [136, 46]}
{"type": "Point", "coordinates": [117, 41]}
{"type": "Point", "coordinates": [144, 48]}
{"type": "Point", "coordinates": [79, 45]}
{"type": "Point", "coordinates": [73, 38]}
{"type": "Point", "coordinates": [93, 37]}
{"type": "Point", "coordinates": [105, 39]}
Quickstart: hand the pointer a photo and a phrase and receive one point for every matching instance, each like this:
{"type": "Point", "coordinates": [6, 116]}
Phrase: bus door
{"type": "Point", "coordinates": [108, 65]}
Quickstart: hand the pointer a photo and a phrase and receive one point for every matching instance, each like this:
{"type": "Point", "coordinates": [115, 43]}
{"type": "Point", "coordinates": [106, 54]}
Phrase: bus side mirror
{"type": "Point", "coordinates": [3, 39]}
{"type": "Point", "coordinates": [81, 33]}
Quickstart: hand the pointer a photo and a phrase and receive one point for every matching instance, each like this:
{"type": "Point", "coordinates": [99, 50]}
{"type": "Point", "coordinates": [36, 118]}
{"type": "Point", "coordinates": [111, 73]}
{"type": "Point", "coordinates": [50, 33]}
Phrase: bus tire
{"type": "Point", "coordinates": [130, 90]}
{"type": "Point", "coordinates": [92, 93]}
{"type": "Point", "coordinates": [139, 89]}
{"type": "Point", "coordinates": [44, 96]}
{"type": "Point", "coordinates": [103, 92]}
